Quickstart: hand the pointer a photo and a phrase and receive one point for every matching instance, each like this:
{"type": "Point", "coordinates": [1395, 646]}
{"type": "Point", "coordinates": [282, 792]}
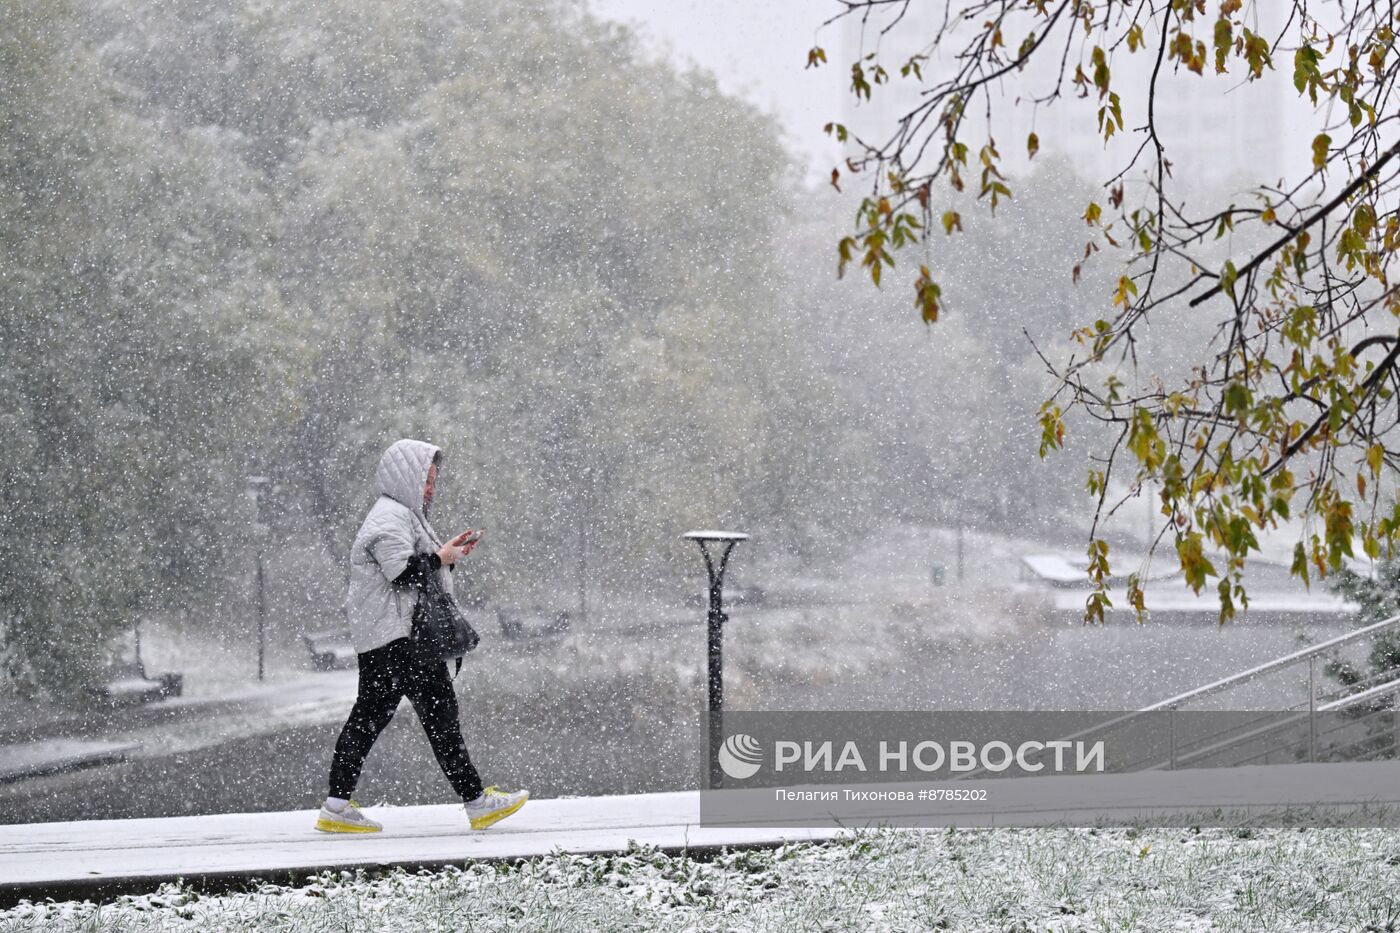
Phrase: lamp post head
{"type": "Point", "coordinates": [727, 538]}
{"type": "Point", "coordinates": [707, 536]}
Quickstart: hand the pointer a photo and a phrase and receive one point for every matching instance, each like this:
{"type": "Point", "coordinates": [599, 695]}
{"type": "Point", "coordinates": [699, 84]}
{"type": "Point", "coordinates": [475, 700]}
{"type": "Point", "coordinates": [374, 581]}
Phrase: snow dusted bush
{"type": "Point", "coordinates": [1020, 880]}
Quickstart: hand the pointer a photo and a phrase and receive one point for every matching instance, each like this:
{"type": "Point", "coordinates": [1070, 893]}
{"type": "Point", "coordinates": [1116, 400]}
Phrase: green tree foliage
{"type": "Point", "coordinates": [272, 238]}
{"type": "Point", "coordinates": [1289, 416]}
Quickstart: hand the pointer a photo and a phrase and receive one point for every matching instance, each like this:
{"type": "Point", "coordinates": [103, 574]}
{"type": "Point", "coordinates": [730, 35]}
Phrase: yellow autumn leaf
{"type": "Point", "coordinates": [1127, 290]}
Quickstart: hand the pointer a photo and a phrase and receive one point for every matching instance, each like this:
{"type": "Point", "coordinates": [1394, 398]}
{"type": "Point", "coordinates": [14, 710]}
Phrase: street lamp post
{"type": "Point", "coordinates": [257, 484]}
{"type": "Point", "coordinates": [714, 632]}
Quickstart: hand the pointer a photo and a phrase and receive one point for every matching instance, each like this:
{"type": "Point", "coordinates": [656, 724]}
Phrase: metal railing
{"type": "Point", "coordinates": [1300, 730]}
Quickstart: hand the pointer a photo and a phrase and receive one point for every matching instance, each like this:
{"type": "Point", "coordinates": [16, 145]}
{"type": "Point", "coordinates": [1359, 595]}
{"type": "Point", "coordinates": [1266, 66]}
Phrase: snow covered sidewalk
{"type": "Point", "coordinates": [101, 858]}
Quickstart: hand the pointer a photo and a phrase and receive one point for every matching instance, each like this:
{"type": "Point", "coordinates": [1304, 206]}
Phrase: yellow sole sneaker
{"type": "Point", "coordinates": [495, 816]}
{"type": "Point", "coordinates": [336, 826]}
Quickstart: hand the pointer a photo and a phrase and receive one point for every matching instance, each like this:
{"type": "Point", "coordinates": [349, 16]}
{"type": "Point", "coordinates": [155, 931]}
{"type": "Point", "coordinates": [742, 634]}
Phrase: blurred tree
{"type": "Point", "coordinates": [1290, 414]}
{"type": "Point", "coordinates": [248, 238]}
{"type": "Point", "coordinates": [962, 451]}
{"type": "Point", "coordinates": [131, 321]}
{"type": "Point", "coordinates": [537, 260]}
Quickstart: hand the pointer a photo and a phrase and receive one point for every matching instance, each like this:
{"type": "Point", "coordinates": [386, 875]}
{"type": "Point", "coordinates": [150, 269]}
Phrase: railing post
{"type": "Point", "coordinates": [1395, 724]}
{"type": "Point", "coordinates": [1312, 708]}
{"type": "Point", "coordinates": [1171, 730]}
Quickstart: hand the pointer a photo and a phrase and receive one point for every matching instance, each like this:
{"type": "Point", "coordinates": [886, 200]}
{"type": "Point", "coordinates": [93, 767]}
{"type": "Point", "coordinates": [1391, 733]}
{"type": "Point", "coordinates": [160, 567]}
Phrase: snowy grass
{"type": "Point", "coordinates": [1003, 880]}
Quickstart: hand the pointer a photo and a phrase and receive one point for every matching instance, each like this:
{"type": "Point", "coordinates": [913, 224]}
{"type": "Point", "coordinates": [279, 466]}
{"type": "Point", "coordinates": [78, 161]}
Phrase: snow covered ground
{"type": "Point", "coordinates": [109, 856]}
{"type": "Point", "coordinates": [981, 880]}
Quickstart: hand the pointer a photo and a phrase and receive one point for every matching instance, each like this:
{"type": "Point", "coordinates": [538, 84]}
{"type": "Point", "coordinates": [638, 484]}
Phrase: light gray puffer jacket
{"type": "Point", "coordinates": [395, 529]}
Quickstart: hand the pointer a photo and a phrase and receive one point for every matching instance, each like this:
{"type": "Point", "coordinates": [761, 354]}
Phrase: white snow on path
{"type": "Point", "coordinates": [41, 859]}
{"type": "Point", "coordinates": [36, 855]}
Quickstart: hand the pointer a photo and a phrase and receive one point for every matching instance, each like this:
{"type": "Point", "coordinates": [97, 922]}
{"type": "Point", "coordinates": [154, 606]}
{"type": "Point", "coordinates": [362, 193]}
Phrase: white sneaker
{"type": "Point", "coordinates": [349, 820]}
{"type": "Point", "coordinates": [493, 806]}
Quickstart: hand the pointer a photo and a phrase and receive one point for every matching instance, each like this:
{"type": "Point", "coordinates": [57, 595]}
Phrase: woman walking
{"type": "Point", "coordinates": [394, 551]}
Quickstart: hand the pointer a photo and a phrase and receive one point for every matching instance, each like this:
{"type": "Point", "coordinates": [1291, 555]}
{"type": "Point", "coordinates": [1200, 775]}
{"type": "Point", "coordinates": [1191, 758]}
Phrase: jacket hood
{"type": "Point", "coordinates": [403, 472]}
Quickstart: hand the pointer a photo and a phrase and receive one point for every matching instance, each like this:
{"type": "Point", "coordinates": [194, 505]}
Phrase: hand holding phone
{"type": "Point", "coordinates": [459, 546]}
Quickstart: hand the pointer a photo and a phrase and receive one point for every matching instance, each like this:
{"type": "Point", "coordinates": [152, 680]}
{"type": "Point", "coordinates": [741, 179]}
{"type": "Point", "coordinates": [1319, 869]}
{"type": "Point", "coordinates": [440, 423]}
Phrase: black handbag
{"type": "Point", "coordinates": [440, 630]}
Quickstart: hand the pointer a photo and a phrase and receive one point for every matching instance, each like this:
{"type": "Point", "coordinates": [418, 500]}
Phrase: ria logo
{"type": "Point", "coordinates": [740, 756]}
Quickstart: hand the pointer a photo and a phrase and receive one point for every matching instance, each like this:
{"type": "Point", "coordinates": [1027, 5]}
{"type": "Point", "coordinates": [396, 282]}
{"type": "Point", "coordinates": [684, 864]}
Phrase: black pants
{"type": "Point", "coordinates": [387, 675]}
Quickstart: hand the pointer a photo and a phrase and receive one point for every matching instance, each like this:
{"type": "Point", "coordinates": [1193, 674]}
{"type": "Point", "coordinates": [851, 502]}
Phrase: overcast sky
{"type": "Point", "coordinates": [758, 50]}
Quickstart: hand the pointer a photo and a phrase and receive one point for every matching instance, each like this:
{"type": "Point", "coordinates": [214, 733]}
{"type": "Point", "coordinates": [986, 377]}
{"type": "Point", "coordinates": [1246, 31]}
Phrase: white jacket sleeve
{"type": "Point", "coordinates": [391, 550]}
